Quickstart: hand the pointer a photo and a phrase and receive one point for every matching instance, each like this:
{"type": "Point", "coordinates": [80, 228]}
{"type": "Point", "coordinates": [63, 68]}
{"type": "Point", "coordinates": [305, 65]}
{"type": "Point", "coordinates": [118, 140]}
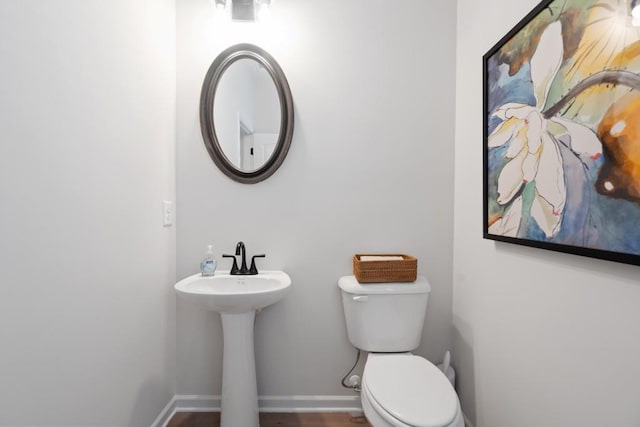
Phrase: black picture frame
{"type": "Point", "coordinates": [508, 59]}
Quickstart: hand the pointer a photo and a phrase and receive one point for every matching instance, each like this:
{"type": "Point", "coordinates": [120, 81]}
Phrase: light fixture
{"type": "Point", "coordinates": [264, 10]}
{"type": "Point", "coordinates": [245, 10]}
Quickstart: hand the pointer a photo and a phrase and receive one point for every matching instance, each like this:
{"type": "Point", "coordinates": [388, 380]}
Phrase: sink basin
{"type": "Point", "coordinates": [237, 298]}
{"type": "Point", "coordinates": [225, 293]}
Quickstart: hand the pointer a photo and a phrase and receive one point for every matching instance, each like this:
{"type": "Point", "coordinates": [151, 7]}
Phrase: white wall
{"type": "Point", "coordinates": [87, 130]}
{"type": "Point", "coordinates": [370, 170]}
{"type": "Point", "coordinates": [541, 338]}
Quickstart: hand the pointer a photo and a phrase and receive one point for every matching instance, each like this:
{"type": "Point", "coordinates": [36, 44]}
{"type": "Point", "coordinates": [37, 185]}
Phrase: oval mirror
{"type": "Point", "coordinates": [246, 113]}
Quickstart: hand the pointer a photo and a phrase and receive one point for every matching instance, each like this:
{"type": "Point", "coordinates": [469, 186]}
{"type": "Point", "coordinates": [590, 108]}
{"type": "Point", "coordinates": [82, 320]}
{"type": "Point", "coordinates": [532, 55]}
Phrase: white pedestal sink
{"type": "Point", "coordinates": [237, 298]}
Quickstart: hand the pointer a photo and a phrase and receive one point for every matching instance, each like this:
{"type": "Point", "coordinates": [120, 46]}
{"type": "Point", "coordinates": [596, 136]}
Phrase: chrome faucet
{"type": "Point", "coordinates": [243, 270]}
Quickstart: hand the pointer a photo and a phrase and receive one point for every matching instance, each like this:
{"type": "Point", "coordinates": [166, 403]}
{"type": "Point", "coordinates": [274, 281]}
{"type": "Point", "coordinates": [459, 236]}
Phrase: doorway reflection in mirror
{"type": "Point", "coordinates": [247, 114]}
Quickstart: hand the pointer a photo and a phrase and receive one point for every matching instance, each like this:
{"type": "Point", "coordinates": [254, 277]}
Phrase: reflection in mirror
{"type": "Point", "coordinates": [246, 114]}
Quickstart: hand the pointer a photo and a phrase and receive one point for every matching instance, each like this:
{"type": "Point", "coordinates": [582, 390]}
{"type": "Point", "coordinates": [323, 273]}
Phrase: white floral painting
{"type": "Point", "coordinates": [562, 131]}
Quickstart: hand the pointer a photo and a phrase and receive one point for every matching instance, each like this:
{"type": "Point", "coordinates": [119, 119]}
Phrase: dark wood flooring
{"type": "Point", "coordinates": [212, 419]}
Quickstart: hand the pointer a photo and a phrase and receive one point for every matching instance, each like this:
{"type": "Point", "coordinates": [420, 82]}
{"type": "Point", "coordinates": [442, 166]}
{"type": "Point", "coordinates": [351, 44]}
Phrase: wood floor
{"type": "Point", "coordinates": [212, 419]}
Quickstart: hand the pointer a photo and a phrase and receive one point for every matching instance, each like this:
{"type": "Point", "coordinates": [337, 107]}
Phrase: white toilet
{"type": "Point", "coordinates": [399, 389]}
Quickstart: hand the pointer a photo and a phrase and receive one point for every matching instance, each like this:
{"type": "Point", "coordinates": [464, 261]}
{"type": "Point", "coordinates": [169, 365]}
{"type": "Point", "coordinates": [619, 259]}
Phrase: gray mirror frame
{"type": "Point", "coordinates": [209, 86]}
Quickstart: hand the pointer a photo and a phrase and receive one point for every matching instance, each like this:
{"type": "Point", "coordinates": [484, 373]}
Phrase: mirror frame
{"type": "Point", "coordinates": [207, 97]}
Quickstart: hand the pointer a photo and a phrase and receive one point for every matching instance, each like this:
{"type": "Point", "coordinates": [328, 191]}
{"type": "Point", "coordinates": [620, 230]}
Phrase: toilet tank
{"type": "Point", "coordinates": [384, 317]}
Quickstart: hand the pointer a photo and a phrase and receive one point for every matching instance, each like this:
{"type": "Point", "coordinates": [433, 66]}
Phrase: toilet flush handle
{"type": "Point", "coordinates": [361, 298]}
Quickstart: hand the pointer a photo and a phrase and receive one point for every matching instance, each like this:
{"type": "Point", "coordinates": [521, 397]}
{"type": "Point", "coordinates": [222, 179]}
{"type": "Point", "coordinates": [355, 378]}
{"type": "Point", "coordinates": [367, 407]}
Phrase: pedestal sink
{"type": "Point", "coordinates": [237, 298]}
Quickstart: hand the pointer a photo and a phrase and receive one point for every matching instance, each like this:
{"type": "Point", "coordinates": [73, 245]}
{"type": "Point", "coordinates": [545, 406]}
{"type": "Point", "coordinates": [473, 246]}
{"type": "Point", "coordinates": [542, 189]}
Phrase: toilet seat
{"type": "Point", "coordinates": [408, 390]}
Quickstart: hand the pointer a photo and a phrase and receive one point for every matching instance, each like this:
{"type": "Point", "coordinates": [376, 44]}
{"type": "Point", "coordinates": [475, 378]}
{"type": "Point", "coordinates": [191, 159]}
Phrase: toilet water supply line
{"type": "Point", "coordinates": [354, 380]}
{"type": "Point", "coordinates": [446, 363]}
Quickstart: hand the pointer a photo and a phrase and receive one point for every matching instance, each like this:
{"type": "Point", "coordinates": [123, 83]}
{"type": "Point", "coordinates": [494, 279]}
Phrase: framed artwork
{"type": "Point", "coordinates": [562, 130]}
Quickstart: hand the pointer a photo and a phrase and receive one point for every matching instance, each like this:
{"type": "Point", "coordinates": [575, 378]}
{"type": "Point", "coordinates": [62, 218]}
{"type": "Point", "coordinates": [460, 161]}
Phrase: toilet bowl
{"type": "Point", "coordinates": [403, 390]}
{"type": "Point", "coordinates": [398, 389]}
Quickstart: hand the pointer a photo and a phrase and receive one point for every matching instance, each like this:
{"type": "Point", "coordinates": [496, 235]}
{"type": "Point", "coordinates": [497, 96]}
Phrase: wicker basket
{"type": "Point", "coordinates": [405, 270]}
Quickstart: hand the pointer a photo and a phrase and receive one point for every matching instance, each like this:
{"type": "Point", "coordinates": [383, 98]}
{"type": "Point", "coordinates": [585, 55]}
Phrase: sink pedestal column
{"type": "Point", "coordinates": [239, 406]}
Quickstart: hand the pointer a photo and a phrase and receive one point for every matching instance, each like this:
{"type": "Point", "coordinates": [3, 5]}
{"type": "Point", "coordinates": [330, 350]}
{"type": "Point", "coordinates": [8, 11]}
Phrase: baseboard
{"type": "Point", "coordinates": [289, 404]}
{"type": "Point", "coordinates": [166, 414]}
{"type": "Point", "coordinates": [197, 403]}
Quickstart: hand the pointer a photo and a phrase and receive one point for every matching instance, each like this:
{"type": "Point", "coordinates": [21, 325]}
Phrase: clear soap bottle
{"type": "Point", "coordinates": [208, 264]}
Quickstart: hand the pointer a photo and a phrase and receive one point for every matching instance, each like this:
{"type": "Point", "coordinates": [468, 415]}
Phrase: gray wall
{"type": "Point", "coordinates": [541, 338]}
{"type": "Point", "coordinates": [87, 125]}
{"type": "Point", "coordinates": [370, 170]}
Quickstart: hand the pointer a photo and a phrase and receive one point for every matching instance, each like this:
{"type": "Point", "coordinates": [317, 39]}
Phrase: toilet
{"type": "Point", "coordinates": [398, 389]}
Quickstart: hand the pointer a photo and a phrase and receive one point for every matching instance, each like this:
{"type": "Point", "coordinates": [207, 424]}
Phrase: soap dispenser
{"type": "Point", "coordinates": [208, 264]}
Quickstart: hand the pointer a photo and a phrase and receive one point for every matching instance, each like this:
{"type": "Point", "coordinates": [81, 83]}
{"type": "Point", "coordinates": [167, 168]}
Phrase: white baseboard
{"type": "Point", "coordinates": [165, 415]}
{"type": "Point", "coordinates": [289, 404]}
{"type": "Point", "coordinates": [309, 403]}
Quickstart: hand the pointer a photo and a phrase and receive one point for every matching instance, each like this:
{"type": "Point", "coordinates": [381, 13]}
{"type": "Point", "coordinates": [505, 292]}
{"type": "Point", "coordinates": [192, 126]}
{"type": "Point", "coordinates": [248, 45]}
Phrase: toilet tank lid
{"type": "Point", "coordinates": [351, 285]}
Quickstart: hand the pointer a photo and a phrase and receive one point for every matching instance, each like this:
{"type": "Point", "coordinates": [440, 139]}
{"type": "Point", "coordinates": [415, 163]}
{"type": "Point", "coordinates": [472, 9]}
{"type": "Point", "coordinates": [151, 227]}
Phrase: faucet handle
{"type": "Point", "coordinates": [234, 268]}
{"type": "Point", "coordinates": [253, 269]}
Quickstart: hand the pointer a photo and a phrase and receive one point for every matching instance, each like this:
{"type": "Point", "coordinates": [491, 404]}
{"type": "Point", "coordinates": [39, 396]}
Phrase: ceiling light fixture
{"type": "Point", "coordinates": [264, 10]}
